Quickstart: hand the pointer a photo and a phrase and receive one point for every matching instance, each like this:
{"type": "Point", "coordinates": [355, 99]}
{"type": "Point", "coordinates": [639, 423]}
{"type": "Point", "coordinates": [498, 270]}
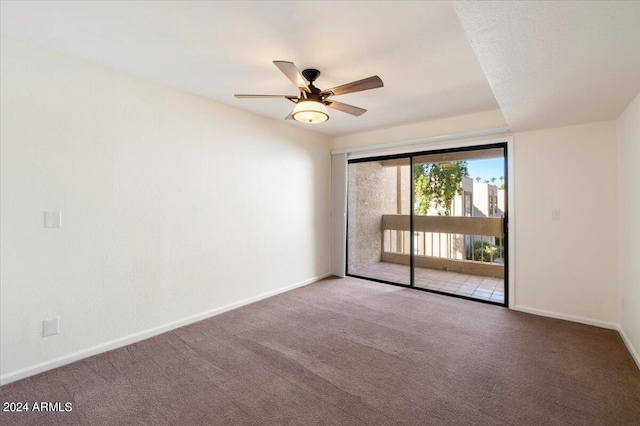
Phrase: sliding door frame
{"type": "Point", "coordinates": [477, 146]}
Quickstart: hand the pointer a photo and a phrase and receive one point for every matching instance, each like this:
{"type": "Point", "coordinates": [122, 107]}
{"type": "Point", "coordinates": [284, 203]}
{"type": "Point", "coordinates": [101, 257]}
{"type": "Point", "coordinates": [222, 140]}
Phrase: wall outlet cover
{"type": "Point", "coordinates": [53, 219]}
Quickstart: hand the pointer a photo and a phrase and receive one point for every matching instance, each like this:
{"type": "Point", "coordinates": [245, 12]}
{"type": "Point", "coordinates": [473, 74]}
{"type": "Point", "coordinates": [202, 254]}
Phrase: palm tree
{"type": "Point", "coordinates": [501, 180]}
{"type": "Point", "coordinates": [478, 179]}
{"type": "Point", "coordinates": [493, 180]}
{"type": "Point", "coordinates": [486, 181]}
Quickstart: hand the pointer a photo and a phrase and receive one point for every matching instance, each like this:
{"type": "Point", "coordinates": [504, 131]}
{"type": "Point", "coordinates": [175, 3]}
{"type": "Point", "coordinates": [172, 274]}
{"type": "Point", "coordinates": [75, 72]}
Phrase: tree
{"type": "Point", "coordinates": [437, 185]}
{"type": "Point", "coordinates": [484, 251]}
{"type": "Point", "coordinates": [486, 181]}
{"type": "Point", "coordinates": [493, 180]}
{"type": "Point", "coordinates": [478, 179]}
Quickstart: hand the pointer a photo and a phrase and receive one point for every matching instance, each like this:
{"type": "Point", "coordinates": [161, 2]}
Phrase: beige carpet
{"type": "Point", "coordinates": [350, 352]}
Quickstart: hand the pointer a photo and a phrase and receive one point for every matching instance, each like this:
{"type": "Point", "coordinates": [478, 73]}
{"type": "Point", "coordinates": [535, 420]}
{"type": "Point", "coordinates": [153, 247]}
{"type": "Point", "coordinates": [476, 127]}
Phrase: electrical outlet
{"type": "Point", "coordinates": [51, 327]}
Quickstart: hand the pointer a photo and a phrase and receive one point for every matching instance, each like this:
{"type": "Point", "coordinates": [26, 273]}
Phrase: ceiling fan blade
{"type": "Point", "coordinates": [356, 86]}
{"type": "Point", "coordinates": [267, 96]}
{"type": "Point", "coordinates": [291, 71]}
{"type": "Point", "coordinates": [349, 109]}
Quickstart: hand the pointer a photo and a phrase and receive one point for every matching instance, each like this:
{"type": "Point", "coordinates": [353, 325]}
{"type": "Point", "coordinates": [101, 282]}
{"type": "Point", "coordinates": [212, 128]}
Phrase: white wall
{"type": "Point", "coordinates": [338, 214]}
{"type": "Point", "coordinates": [567, 267]}
{"type": "Point", "coordinates": [172, 206]}
{"type": "Point", "coordinates": [628, 127]}
{"type": "Point", "coordinates": [446, 126]}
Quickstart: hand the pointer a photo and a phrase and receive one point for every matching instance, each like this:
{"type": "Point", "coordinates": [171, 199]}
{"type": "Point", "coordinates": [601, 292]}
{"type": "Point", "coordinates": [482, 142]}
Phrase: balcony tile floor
{"type": "Point", "coordinates": [474, 286]}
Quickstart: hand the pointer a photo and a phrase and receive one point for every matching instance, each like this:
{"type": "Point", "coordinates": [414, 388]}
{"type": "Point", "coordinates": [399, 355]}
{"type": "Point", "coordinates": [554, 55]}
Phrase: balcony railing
{"type": "Point", "coordinates": [471, 245]}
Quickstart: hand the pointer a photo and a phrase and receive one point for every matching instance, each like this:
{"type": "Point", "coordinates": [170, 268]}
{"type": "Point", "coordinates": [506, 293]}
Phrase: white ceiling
{"type": "Point", "coordinates": [557, 63]}
{"type": "Point", "coordinates": [549, 63]}
{"type": "Point", "coordinates": [216, 49]}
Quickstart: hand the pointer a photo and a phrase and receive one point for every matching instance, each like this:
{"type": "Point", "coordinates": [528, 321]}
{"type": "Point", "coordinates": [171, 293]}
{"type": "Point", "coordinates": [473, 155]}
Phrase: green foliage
{"type": "Point", "coordinates": [484, 252]}
{"type": "Point", "coordinates": [437, 185]}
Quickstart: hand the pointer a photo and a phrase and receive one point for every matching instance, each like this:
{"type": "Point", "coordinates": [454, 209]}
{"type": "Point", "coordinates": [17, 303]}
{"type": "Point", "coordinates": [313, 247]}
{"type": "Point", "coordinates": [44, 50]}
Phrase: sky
{"type": "Point", "coordinates": [486, 169]}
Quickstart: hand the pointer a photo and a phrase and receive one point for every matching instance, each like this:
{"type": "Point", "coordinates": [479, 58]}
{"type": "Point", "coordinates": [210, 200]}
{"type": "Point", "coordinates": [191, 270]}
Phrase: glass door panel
{"type": "Point", "coordinates": [459, 210]}
{"type": "Point", "coordinates": [378, 220]}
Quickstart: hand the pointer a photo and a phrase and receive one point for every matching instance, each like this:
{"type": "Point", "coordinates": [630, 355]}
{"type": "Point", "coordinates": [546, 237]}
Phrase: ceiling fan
{"type": "Point", "coordinates": [311, 104]}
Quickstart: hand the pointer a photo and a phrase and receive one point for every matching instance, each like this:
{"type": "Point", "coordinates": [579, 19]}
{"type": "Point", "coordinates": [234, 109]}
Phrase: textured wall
{"type": "Point", "coordinates": [373, 191]}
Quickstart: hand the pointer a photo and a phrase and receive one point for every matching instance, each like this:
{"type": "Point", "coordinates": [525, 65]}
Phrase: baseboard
{"type": "Point", "coordinates": [136, 337]}
{"type": "Point", "coordinates": [632, 350]}
{"type": "Point", "coordinates": [588, 321]}
{"type": "Point", "coordinates": [582, 320]}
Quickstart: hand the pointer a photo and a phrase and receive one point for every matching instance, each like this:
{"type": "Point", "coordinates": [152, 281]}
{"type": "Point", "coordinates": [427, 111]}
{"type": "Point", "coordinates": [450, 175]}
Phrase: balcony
{"type": "Point", "coordinates": [463, 256]}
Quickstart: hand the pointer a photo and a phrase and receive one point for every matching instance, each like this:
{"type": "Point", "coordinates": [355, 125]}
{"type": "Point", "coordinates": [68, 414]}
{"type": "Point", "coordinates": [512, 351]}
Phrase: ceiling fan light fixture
{"type": "Point", "coordinates": [310, 111]}
{"type": "Point", "coordinates": [311, 105]}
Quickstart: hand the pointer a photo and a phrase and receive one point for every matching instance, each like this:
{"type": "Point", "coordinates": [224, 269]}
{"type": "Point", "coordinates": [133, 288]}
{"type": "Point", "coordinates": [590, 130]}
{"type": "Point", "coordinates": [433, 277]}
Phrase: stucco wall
{"type": "Point", "coordinates": [373, 191]}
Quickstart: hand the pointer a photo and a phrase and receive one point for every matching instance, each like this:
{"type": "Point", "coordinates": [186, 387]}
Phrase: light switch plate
{"type": "Point", "coordinates": [51, 327]}
{"type": "Point", "coordinates": [555, 214]}
{"type": "Point", "coordinates": [53, 219]}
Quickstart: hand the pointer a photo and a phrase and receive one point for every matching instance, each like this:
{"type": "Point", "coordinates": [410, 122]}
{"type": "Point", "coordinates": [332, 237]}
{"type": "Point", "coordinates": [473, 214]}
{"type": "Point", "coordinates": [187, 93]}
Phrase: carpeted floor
{"type": "Point", "coordinates": [350, 352]}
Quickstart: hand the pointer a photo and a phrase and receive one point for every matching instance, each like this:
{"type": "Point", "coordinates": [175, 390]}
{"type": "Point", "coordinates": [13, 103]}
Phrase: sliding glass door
{"type": "Point", "coordinates": [432, 220]}
{"type": "Point", "coordinates": [379, 195]}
